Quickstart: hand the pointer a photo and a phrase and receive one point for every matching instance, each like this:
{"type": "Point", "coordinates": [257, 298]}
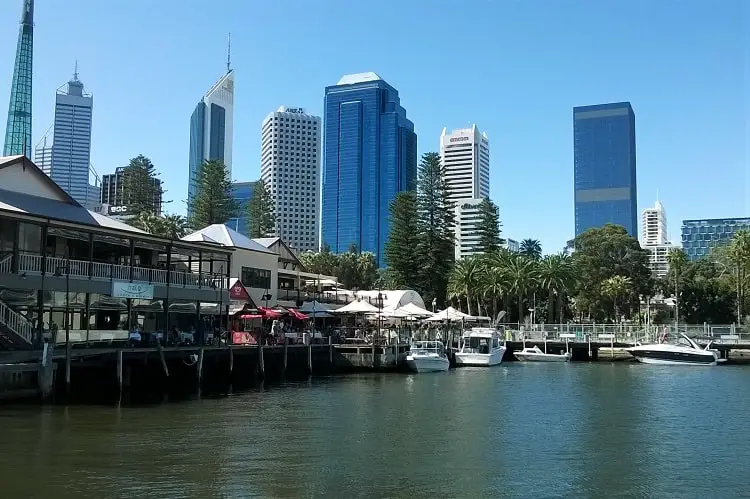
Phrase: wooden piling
{"type": "Point", "coordinates": [200, 365]}
{"type": "Point", "coordinates": [261, 362]}
{"type": "Point", "coordinates": [330, 352]}
{"type": "Point", "coordinates": [286, 347]}
{"type": "Point", "coordinates": [160, 348]}
{"type": "Point", "coordinates": [309, 357]}
{"type": "Point", "coordinates": [67, 368]}
{"type": "Point", "coordinates": [231, 360]}
{"type": "Point", "coordinates": [119, 372]}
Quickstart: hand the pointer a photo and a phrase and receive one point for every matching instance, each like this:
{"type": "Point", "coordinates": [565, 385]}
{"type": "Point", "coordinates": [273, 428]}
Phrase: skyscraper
{"type": "Point", "coordinates": [654, 225]}
{"type": "Point", "coordinates": [212, 128]}
{"type": "Point", "coordinates": [465, 154]}
{"type": "Point", "coordinates": [370, 155]}
{"type": "Point", "coordinates": [71, 142]}
{"type": "Point", "coordinates": [699, 237]}
{"type": "Point", "coordinates": [290, 168]}
{"type": "Point", "coordinates": [605, 167]}
{"type": "Point", "coordinates": [18, 128]}
{"type": "Point", "coordinates": [114, 193]}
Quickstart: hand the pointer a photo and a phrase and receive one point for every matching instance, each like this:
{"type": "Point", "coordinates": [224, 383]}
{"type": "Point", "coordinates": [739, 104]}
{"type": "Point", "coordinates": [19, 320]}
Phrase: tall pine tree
{"type": "Point", "coordinates": [489, 226]}
{"type": "Point", "coordinates": [436, 228]}
{"type": "Point", "coordinates": [260, 211]}
{"type": "Point", "coordinates": [213, 203]}
{"type": "Point", "coordinates": [141, 187]}
{"type": "Point", "coordinates": [400, 254]}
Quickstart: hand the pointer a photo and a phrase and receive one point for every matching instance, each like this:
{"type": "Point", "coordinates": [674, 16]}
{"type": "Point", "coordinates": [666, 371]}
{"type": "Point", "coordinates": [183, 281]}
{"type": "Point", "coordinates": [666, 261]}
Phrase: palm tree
{"type": "Point", "coordinates": [531, 248]}
{"type": "Point", "coordinates": [616, 287]}
{"type": "Point", "coordinates": [556, 276]}
{"type": "Point", "coordinates": [493, 283]}
{"type": "Point", "coordinates": [148, 222]}
{"type": "Point", "coordinates": [175, 226]}
{"type": "Point", "coordinates": [522, 276]}
{"type": "Point", "coordinates": [464, 279]}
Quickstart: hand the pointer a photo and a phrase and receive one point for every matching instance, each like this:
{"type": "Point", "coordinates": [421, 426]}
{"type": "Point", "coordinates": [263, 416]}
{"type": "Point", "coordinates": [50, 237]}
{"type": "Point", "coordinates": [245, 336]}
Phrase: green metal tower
{"type": "Point", "coordinates": [18, 129]}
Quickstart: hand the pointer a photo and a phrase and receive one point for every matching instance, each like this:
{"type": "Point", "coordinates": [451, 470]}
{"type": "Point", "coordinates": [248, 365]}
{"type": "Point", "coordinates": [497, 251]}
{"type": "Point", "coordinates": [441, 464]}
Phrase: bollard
{"type": "Point", "coordinates": [200, 366]}
{"type": "Point", "coordinates": [119, 372]}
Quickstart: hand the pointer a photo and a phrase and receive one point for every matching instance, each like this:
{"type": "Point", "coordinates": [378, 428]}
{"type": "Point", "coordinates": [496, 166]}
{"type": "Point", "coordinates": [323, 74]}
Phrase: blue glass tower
{"type": "Point", "coordinates": [605, 169]}
{"type": "Point", "coordinates": [18, 128]}
{"type": "Point", "coordinates": [370, 154]}
{"type": "Point", "coordinates": [699, 237]}
{"type": "Point", "coordinates": [242, 193]}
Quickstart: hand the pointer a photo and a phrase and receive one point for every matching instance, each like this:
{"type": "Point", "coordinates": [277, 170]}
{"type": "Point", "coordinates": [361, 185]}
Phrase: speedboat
{"type": "Point", "coordinates": [480, 346]}
{"type": "Point", "coordinates": [534, 354]}
{"type": "Point", "coordinates": [427, 357]}
{"type": "Point", "coordinates": [684, 351]}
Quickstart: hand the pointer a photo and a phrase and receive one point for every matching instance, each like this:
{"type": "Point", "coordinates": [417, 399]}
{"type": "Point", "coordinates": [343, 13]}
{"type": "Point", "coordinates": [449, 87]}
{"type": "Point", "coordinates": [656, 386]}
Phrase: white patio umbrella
{"type": "Point", "coordinates": [449, 313]}
{"type": "Point", "coordinates": [414, 311]}
{"type": "Point", "coordinates": [315, 305]}
{"type": "Point", "coordinates": [357, 307]}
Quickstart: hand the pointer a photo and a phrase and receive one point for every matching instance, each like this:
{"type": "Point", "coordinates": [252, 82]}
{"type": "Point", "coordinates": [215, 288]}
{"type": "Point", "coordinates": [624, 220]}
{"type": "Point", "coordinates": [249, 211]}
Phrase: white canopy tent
{"type": "Point", "coordinates": [308, 307]}
{"type": "Point", "coordinates": [449, 313]}
{"type": "Point", "coordinates": [357, 307]}
{"type": "Point", "coordinates": [414, 311]}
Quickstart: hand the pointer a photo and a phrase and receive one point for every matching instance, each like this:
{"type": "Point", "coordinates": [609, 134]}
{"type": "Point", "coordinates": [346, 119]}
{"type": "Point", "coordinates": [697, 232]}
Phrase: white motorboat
{"type": "Point", "coordinates": [427, 357]}
{"type": "Point", "coordinates": [534, 354]}
{"type": "Point", "coordinates": [684, 351]}
{"type": "Point", "coordinates": [480, 346]}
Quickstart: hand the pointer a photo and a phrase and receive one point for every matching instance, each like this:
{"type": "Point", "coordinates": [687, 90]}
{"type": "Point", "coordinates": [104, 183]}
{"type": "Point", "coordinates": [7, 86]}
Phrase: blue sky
{"type": "Point", "coordinates": [516, 68]}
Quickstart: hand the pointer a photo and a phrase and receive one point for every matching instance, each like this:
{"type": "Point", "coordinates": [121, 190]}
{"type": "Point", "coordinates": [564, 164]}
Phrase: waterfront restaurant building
{"type": "Point", "coordinates": [63, 265]}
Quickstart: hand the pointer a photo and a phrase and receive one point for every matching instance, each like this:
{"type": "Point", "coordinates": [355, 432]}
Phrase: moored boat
{"type": "Point", "coordinates": [427, 356]}
{"type": "Point", "coordinates": [480, 346]}
{"type": "Point", "coordinates": [534, 354]}
{"type": "Point", "coordinates": [684, 352]}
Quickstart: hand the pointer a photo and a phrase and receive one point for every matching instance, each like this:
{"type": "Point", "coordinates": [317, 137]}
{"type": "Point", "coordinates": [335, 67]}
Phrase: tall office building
{"type": "Point", "coordinates": [290, 168]}
{"type": "Point", "coordinates": [18, 128]}
{"type": "Point", "coordinates": [605, 167]}
{"type": "Point", "coordinates": [465, 154]}
{"type": "Point", "coordinates": [699, 237]}
{"type": "Point", "coordinates": [71, 142]}
{"type": "Point", "coordinates": [654, 225]}
{"type": "Point", "coordinates": [242, 193]}
{"type": "Point", "coordinates": [212, 129]}
{"type": "Point", "coordinates": [43, 157]}
{"type": "Point", "coordinates": [370, 153]}
{"type": "Point", "coordinates": [114, 193]}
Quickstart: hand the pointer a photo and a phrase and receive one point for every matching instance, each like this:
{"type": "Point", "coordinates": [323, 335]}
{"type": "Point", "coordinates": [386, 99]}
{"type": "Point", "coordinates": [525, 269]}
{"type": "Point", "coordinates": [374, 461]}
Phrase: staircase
{"type": "Point", "coordinates": [16, 331]}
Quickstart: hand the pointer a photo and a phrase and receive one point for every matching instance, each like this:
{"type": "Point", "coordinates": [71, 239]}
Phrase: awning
{"type": "Point", "coordinates": [298, 315]}
{"type": "Point", "coordinates": [269, 313]}
{"type": "Point", "coordinates": [251, 316]}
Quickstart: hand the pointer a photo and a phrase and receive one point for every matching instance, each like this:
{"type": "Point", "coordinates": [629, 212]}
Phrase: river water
{"type": "Point", "coordinates": [517, 430]}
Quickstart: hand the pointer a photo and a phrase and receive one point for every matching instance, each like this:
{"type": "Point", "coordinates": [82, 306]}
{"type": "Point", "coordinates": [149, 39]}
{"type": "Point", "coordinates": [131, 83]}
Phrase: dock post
{"type": "Point", "coordinates": [119, 373]}
{"type": "Point", "coordinates": [261, 363]}
{"type": "Point", "coordinates": [330, 352]}
{"type": "Point", "coordinates": [162, 359]}
{"type": "Point", "coordinates": [612, 348]}
{"type": "Point", "coordinates": [309, 357]}
{"type": "Point", "coordinates": [200, 365]}
{"type": "Point", "coordinates": [67, 368]}
{"type": "Point", "coordinates": [286, 348]}
{"type": "Point", "coordinates": [231, 360]}
{"type": "Point", "coordinates": [588, 336]}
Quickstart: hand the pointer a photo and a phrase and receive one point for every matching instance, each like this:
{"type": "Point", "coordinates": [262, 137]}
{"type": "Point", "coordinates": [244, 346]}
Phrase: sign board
{"type": "Point", "coordinates": [569, 336]}
{"type": "Point", "coordinates": [295, 110]}
{"type": "Point", "coordinates": [123, 289]}
{"type": "Point", "coordinates": [117, 210]}
{"type": "Point", "coordinates": [607, 336]}
{"type": "Point", "coordinates": [463, 138]}
{"type": "Point", "coordinates": [238, 292]}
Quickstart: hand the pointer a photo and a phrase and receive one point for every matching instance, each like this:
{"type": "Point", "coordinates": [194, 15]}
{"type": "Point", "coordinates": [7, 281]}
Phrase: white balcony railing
{"type": "Point", "coordinates": [6, 264]}
{"type": "Point", "coordinates": [16, 323]}
{"type": "Point", "coordinates": [32, 264]}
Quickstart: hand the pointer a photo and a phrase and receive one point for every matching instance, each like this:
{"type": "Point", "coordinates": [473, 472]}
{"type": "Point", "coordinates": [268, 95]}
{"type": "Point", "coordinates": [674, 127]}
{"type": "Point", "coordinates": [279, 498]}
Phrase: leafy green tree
{"type": "Point", "coordinates": [149, 222]}
{"type": "Point", "coordinates": [706, 290]}
{"type": "Point", "coordinates": [175, 226]}
{"type": "Point", "coordinates": [367, 270]}
{"type": "Point", "coordinates": [213, 202]}
{"type": "Point", "coordinates": [141, 187]}
{"type": "Point", "coordinates": [400, 254]}
{"type": "Point", "coordinates": [489, 226]}
{"type": "Point", "coordinates": [614, 288]}
{"type": "Point", "coordinates": [436, 224]}
{"type": "Point", "coordinates": [260, 210]}
{"type": "Point", "coordinates": [171, 226]}
{"type": "Point", "coordinates": [320, 262]}
{"type": "Point", "coordinates": [531, 248]}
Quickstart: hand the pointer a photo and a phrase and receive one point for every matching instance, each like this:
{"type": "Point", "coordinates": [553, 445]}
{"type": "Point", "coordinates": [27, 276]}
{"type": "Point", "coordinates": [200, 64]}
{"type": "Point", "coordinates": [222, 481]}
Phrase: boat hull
{"type": "Point", "coordinates": [480, 359]}
{"type": "Point", "coordinates": [663, 357]}
{"type": "Point", "coordinates": [427, 364]}
{"type": "Point", "coordinates": [543, 357]}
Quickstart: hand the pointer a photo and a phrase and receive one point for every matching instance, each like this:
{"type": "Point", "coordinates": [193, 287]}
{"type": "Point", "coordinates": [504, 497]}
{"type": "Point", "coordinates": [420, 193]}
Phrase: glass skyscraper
{"type": "Point", "coordinates": [242, 193]}
{"type": "Point", "coordinates": [605, 167]}
{"type": "Point", "coordinates": [700, 236]}
{"type": "Point", "coordinates": [18, 127]}
{"type": "Point", "coordinates": [370, 154]}
{"type": "Point", "coordinates": [211, 129]}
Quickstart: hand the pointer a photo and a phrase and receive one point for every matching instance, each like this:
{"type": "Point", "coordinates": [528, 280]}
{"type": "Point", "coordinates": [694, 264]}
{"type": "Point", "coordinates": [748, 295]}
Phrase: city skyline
{"type": "Point", "coordinates": [662, 70]}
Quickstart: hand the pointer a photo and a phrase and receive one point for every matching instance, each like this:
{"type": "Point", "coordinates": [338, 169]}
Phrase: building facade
{"type": "Point", "coordinates": [212, 129]}
{"type": "Point", "coordinates": [114, 194]}
{"type": "Point", "coordinates": [700, 236]}
{"type": "Point", "coordinates": [465, 155]}
{"type": "Point", "coordinates": [654, 225]}
{"type": "Point", "coordinates": [370, 154]}
{"type": "Point", "coordinates": [242, 193]}
{"type": "Point", "coordinates": [43, 157]}
{"type": "Point", "coordinates": [18, 127]}
{"type": "Point", "coordinates": [658, 263]}
{"type": "Point", "coordinates": [290, 169]}
{"type": "Point", "coordinates": [605, 167]}
{"type": "Point", "coordinates": [71, 142]}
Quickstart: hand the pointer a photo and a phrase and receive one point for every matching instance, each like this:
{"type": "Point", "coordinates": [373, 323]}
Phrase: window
{"type": "Point", "coordinates": [256, 278]}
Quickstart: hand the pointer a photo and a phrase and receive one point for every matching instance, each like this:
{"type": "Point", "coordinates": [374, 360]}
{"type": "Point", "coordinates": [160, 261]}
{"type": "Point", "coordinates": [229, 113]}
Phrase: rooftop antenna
{"type": "Point", "coordinates": [229, 52]}
{"type": "Point", "coordinates": [75, 71]}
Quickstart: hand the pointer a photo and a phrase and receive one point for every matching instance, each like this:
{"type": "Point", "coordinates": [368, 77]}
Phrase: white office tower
{"type": "Point", "coordinates": [43, 157]}
{"type": "Point", "coordinates": [654, 225]}
{"type": "Point", "coordinates": [654, 239]}
{"type": "Point", "coordinates": [70, 160]}
{"type": "Point", "coordinates": [465, 154]}
{"type": "Point", "coordinates": [290, 168]}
